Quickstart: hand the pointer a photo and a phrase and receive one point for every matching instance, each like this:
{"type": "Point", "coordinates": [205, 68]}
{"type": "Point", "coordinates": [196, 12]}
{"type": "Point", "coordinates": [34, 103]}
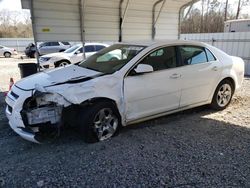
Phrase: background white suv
{"type": "Point", "coordinates": [70, 56]}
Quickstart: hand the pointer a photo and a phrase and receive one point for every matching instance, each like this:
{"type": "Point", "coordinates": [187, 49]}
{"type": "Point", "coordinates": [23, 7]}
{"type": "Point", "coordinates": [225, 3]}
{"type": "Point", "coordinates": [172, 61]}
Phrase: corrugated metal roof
{"type": "Point", "coordinates": [60, 19]}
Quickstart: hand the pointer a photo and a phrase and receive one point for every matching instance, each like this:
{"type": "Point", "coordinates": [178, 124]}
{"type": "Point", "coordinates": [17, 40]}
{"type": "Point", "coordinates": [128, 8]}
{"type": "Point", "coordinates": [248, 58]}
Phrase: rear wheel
{"type": "Point", "coordinates": [223, 95]}
{"type": "Point", "coordinates": [7, 54]}
{"type": "Point", "coordinates": [99, 122]}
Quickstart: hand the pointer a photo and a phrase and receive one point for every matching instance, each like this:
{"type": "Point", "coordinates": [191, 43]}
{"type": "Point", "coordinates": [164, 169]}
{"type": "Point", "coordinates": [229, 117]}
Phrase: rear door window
{"type": "Point", "coordinates": [210, 56]}
{"type": "Point", "coordinates": [191, 55]}
{"type": "Point", "coordinates": [89, 48]}
{"type": "Point", "coordinates": [66, 43]}
{"type": "Point", "coordinates": [54, 44]}
{"type": "Point", "coordinates": [99, 47]}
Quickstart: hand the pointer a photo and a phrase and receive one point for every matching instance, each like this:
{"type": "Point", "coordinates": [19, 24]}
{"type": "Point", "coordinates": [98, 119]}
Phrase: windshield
{"type": "Point", "coordinates": [111, 59]}
{"type": "Point", "coordinates": [71, 49]}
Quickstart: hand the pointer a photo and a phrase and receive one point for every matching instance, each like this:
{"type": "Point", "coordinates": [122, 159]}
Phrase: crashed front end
{"type": "Point", "coordinates": [34, 114]}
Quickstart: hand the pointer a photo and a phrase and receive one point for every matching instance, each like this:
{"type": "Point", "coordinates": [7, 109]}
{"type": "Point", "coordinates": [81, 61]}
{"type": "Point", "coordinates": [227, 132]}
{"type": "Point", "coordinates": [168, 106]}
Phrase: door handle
{"type": "Point", "coordinates": [175, 76]}
{"type": "Point", "coordinates": [215, 68]}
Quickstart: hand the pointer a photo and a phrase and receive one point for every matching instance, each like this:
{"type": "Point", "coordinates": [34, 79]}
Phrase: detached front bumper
{"type": "Point", "coordinates": [21, 130]}
{"type": "Point", "coordinates": [12, 112]}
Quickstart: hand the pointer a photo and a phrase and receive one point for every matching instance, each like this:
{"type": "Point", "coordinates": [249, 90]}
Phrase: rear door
{"type": "Point", "coordinates": [200, 72]}
{"type": "Point", "coordinates": [155, 92]}
{"type": "Point", "coordinates": [54, 47]}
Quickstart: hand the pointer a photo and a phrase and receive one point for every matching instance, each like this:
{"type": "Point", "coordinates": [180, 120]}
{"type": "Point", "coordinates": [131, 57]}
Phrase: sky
{"type": "Point", "coordinates": [10, 4]}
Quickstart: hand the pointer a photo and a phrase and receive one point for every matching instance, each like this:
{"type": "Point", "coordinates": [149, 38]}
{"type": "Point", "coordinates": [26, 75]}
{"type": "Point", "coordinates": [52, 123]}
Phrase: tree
{"type": "Point", "coordinates": [209, 17]}
{"type": "Point", "coordinates": [225, 17]}
{"type": "Point", "coordinates": [15, 24]}
{"type": "Point", "coordinates": [241, 3]}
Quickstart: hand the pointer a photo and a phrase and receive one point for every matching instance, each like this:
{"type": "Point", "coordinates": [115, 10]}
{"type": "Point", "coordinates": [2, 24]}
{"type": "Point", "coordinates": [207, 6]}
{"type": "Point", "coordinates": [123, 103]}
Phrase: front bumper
{"type": "Point", "coordinates": [13, 109]}
{"type": "Point", "coordinates": [47, 64]}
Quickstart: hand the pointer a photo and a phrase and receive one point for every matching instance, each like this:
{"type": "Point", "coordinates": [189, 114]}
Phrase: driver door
{"type": "Point", "coordinates": [154, 92]}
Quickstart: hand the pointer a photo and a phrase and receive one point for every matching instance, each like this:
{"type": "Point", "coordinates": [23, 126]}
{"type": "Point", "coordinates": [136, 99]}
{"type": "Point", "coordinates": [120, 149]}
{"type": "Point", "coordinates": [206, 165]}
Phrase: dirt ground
{"type": "Point", "coordinates": [194, 148]}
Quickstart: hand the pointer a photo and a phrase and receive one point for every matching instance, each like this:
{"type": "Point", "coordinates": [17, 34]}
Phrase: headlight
{"type": "Point", "coordinates": [42, 59]}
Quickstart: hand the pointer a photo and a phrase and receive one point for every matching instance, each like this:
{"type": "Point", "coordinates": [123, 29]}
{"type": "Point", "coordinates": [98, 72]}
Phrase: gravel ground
{"type": "Point", "coordinates": [194, 148]}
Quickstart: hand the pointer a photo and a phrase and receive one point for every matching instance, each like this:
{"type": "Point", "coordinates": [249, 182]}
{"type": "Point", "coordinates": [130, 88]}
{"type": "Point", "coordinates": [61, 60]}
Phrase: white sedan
{"type": "Point", "coordinates": [70, 56]}
{"type": "Point", "coordinates": [99, 95]}
{"type": "Point", "coordinates": [7, 52]}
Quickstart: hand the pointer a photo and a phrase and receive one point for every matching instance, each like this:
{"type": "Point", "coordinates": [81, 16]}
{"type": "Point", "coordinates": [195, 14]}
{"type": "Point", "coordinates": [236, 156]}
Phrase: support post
{"type": "Point", "coordinates": [181, 10]}
{"type": "Point", "coordinates": [34, 31]}
{"type": "Point", "coordinates": [81, 14]}
{"type": "Point", "coordinates": [120, 21]}
{"type": "Point", "coordinates": [154, 20]}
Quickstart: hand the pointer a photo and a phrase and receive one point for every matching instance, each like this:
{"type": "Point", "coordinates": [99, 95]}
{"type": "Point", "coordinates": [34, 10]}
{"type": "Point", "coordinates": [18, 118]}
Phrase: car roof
{"type": "Point", "coordinates": [92, 43]}
{"type": "Point", "coordinates": [165, 42]}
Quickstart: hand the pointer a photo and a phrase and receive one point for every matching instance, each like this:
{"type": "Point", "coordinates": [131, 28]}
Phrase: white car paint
{"type": "Point", "coordinates": [70, 56]}
{"type": "Point", "coordinates": [137, 98]}
{"type": "Point", "coordinates": [4, 50]}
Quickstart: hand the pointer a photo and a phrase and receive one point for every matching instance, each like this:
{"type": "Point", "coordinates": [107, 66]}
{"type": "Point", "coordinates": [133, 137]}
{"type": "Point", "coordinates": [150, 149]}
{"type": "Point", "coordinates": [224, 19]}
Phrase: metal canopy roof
{"type": "Point", "coordinates": [105, 20]}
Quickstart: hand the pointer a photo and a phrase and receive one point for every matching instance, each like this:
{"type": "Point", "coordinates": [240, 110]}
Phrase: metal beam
{"type": "Point", "coordinates": [122, 17]}
{"type": "Point", "coordinates": [120, 20]}
{"type": "Point", "coordinates": [125, 13]}
{"type": "Point", "coordinates": [190, 8]}
{"type": "Point", "coordinates": [81, 14]}
{"type": "Point", "coordinates": [154, 21]}
{"type": "Point", "coordinates": [181, 11]}
{"type": "Point", "coordinates": [34, 31]}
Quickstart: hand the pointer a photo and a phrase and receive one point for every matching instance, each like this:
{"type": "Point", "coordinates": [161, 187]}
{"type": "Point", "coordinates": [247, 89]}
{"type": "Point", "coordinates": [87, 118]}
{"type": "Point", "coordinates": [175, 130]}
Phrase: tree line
{"type": "Point", "coordinates": [15, 24]}
{"type": "Point", "coordinates": [211, 15]}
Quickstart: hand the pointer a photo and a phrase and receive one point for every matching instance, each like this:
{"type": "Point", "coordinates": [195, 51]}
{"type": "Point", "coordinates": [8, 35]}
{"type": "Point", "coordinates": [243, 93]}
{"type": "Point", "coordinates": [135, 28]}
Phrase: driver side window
{"type": "Point", "coordinates": [161, 59]}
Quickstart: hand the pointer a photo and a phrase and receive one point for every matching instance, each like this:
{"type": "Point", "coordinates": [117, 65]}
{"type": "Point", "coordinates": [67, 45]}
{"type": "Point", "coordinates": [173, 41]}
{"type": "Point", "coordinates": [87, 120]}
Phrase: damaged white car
{"type": "Point", "coordinates": [101, 94]}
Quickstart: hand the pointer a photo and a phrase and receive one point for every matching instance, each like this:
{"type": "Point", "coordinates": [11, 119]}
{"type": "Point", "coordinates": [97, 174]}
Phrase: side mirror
{"type": "Point", "coordinates": [143, 68]}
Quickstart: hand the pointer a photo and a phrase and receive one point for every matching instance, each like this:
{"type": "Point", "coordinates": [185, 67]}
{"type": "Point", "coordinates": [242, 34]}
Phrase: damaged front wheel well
{"type": "Point", "coordinates": [92, 101]}
{"type": "Point", "coordinates": [97, 100]}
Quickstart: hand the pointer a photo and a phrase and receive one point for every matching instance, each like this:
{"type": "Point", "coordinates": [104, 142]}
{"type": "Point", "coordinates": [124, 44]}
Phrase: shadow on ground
{"type": "Point", "coordinates": [181, 150]}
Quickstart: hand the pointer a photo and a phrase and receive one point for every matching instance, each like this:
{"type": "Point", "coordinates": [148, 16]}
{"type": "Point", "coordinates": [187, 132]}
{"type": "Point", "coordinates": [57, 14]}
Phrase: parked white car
{"type": "Point", "coordinates": [99, 95]}
{"type": "Point", "coordinates": [70, 56]}
{"type": "Point", "coordinates": [7, 52]}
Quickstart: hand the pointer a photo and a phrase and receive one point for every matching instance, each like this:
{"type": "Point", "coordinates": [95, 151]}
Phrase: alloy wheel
{"type": "Point", "coordinates": [224, 95]}
{"type": "Point", "coordinates": [105, 124]}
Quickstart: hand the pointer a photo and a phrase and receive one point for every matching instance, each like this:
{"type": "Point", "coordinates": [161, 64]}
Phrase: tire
{"type": "Point", "coordinates": [7, 54]}
{"type": "Point", "coordinates": [98, 122]}
{"type": "Point", "coordinates": [33, 55]}
{"type": "Point", "coordinates": [62, 63]}
{"type": "Point", "coordinates": [222, 95]}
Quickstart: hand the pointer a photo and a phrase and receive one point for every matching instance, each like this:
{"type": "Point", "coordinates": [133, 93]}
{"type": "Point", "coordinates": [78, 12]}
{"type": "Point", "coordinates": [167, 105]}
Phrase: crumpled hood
{"type": "Point", "coordinates": [56, 76]}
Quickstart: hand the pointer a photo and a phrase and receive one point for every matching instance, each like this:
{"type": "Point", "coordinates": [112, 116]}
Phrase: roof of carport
{"type": "Point", "coordinates": [105, 20]}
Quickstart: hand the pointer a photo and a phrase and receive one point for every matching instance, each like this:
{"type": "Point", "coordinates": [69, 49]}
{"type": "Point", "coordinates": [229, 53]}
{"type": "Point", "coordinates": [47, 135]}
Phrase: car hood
{"type": "Point", "coordinates": [63, 75]}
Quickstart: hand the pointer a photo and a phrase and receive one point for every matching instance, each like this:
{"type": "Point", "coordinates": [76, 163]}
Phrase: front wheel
{"type": "Point", "coordinates": [62, 64]}
{"type": "Point", "coordinates": [99, 122]}
{"type": "Point", "coordinates": [223, 95]}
